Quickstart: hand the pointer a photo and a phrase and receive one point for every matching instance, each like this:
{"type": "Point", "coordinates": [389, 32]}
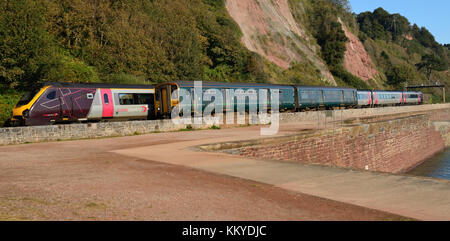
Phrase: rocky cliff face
{"type": "Point", "coordinates": [270, 30]}
{"type": "Point", "coordinates": [356, 60]}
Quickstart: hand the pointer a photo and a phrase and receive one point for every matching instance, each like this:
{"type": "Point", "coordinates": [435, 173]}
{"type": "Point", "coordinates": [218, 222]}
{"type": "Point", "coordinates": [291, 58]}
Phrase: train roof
{"type": "Point", "coordinates": [249, 85]}
{"type": "Point", "coordinates": [384, 90]}
{"type": "Point", "coordinates": [393, 91]}
{"type": "Point", "coordinates": [324, 87]}
{"type": "Point", "coordinates": [223, 84]}
{"type": "Point", "coordinates": [97, 85]}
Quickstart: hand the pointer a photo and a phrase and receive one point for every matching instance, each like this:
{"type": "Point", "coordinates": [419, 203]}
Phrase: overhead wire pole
{"type": "Point", "coordinates": [430, 86]}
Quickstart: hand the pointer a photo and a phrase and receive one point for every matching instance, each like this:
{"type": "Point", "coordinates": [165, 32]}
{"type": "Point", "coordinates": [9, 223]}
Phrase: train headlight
{"type": "Point", "coordinates": [26, 113]}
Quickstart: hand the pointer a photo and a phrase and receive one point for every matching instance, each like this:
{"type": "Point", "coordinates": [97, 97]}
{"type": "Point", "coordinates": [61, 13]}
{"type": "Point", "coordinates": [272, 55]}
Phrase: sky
{"type": "Point", "coordinates": [431, 14]}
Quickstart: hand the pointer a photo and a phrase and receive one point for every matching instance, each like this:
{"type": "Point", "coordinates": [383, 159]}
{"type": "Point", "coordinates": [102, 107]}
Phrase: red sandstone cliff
{"type": "Point", "coordinates": [270, 30]}
{"type": "Point", "coordinates": [356, 60]}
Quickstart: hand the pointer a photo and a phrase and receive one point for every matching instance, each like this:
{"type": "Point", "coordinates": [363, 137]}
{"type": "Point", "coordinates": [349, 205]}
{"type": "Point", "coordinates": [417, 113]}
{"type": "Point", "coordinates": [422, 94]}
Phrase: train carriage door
{"type": "Point", "coordinates": [107, 103]}
{"type": "Point", "coordinates": [164, 101]}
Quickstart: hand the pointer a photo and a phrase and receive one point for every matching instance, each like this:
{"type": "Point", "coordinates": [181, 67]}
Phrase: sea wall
{"type": "Point", "coordinates": [393, 146]}
{"type": "Point", "coordinates": [20, 135]}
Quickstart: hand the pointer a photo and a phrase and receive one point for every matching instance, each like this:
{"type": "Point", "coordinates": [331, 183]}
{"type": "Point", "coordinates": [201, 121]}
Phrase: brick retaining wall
{"type": "Point", "coordinates": [393, 146]}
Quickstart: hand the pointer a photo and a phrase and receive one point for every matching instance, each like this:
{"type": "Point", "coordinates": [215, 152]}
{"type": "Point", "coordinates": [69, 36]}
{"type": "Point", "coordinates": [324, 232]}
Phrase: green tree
{"type": "Point", "coordinates": [369, 23]}
{"type": "Point", "coordinates": [26, 49]}
{"type": "Point", "coordinates": [431, 63]}
{"type": "Point", "coordinates": [425, 37]}
{"type": "Point", "coordinates": [398, 26]}
{"type": "Point", "coordinates": [344, 4]}
{"type": "Point", "coordinates": [328, 32]}
{"type": "Point", "coordinates": [332, 40]}
{"type": "Point", "coordinates": [399, 75]}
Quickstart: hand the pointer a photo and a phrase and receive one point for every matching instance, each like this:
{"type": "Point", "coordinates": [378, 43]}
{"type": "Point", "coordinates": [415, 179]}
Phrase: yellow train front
{"type": "Point", "coordinates": [67, 103]}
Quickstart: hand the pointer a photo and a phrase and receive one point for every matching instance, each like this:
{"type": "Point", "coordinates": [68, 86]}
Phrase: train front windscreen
{"type": "Point", "coordinates": [26, 98]}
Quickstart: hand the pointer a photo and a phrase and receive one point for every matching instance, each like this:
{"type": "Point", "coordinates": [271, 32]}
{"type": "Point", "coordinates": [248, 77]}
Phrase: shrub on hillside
{"type": "Point", "coordinates": [8, 99]}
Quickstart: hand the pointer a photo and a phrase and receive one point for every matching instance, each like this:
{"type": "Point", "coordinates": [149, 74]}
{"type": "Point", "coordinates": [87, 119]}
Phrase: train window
{"type": "Point", "coordinates": [348, 95]}
{"type": "Point", "coordinates": [308, 95]}
{"type": "Point", "coordinates": [51, 95]}
{"type": "Point", "coordinates": [304, 95]}
{"type": "Point", "coordinates": [126, 99]}
{"type": "Point", "coordinates": [106, 98]}
{"type": "Point", "coordinates": [135, 99]}
{"type": "Point", "coordinates": [142, 99]}
{"type": "Point", "coordinates": [333, 95]}
{"type": "Point", "coordinates": [27, 97]}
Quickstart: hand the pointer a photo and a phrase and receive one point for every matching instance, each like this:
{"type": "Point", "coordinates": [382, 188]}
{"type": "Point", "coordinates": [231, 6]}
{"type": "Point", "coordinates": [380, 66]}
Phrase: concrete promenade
{"type": "Point", "coordinates": [414, 197]}
{"type": "Point", "coordinates": [102, 180]}
{"type": "Point", "coordinates": [164, 176]}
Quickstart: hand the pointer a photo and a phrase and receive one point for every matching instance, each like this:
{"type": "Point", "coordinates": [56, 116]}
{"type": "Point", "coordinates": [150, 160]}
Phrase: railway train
{"type": "Point", "coordinates": [67, 102]}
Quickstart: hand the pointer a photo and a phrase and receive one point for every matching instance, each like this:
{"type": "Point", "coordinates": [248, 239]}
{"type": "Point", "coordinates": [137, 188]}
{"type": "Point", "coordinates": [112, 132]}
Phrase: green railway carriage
{"type": "Point", "coordinates": [168, 95]}
{"type": "Point", "coordinates": [314, 97]}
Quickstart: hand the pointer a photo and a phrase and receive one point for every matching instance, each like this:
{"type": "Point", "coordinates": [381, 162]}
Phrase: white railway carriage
{"type": "Point", "coordinates": [385, 98]}
{"type": "Point", "coordinates": [122, 104]}
{"type": "Point", "coordinates": [412, 98]}
{"type": "Point", "coordinates": [364, 98]}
